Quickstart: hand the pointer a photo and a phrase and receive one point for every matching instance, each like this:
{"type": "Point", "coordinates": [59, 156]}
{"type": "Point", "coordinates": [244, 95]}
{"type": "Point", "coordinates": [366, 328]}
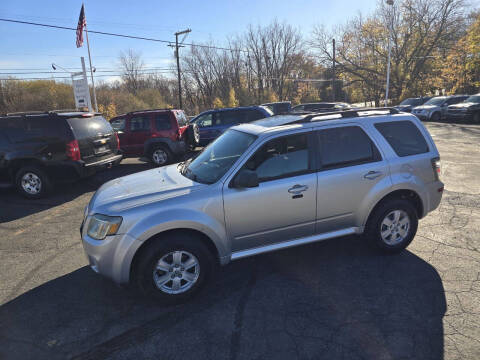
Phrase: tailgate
{"type": "Point", "coordinates": [96, 138]}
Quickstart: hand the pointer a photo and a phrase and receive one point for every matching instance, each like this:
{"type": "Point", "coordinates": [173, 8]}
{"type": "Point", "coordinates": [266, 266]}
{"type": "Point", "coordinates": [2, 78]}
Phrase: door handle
{"type": "Point", "coordinates": [297, 189]}
{"type": "Point", "coordinates": [372, 175]}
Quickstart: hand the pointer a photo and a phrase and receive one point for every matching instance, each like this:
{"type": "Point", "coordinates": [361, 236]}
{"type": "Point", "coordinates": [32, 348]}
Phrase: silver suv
{"type": "Point", "coordinates": [276, 183]}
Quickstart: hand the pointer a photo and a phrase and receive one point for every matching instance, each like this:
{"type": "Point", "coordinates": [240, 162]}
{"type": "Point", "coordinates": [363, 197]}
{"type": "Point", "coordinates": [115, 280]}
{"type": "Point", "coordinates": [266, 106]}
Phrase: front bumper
{"type": "Point", "coordinates": [111, 257]}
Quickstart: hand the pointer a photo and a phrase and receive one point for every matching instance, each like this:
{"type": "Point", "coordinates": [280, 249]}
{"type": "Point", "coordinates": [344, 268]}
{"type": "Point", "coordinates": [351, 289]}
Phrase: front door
{"type": "Point", "coordinates": [350, 166]}
{"type": "Point", "coordinates": [283, 206]}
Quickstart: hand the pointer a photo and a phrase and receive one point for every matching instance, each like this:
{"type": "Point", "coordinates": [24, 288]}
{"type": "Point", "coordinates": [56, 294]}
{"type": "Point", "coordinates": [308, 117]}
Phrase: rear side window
{"type": "Point", "coordinates": [34, 129]}
{"type": "Point", "coordinates": [13, 129]}
{"type": "Point", "coordinates": [162, 122]}
{"type": "Point", "coordinates": [85, 127]}
{"type": "Point", "coordinates": [231, 117]}
{"type": "Point", "coordinates": [345, 146]}
{"type": "Point", "coordinates": [404, 137]}
{"type": "Point", "coordinates": [140, 123]}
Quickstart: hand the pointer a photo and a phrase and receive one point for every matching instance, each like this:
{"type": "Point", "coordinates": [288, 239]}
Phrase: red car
{"type": "Point", "coordinates": [160, 134]}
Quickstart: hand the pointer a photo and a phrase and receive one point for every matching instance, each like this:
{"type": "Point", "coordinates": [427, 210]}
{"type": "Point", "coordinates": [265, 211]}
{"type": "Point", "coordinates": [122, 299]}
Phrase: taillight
{"type": "Point", "coordinates": [73, 151]}
{"type": "Point", "coordinates": [118, 141]}
{"type": "Point", "coordinates": [437, 167]}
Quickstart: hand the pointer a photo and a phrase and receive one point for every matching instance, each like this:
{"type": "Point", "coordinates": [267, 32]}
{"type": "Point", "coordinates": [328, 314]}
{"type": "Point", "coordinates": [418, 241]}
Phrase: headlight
{"type": "Point", "coordinates": [100, 226]}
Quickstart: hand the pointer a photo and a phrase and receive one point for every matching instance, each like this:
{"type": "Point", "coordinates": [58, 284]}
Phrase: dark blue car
{"type": "Point", "coordinates": [213, 123]}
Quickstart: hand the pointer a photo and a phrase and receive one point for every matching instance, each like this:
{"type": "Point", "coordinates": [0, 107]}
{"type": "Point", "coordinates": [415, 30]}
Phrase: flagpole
{"type": "Point", "coordinates": [90, 60]}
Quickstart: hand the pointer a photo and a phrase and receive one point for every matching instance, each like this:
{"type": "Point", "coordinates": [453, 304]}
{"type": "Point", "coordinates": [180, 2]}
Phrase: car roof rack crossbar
{"type": "Point", "coordinates": [347, 114]}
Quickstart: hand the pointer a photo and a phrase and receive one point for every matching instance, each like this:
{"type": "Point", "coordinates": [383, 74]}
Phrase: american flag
{"type": "Point", "coordinates": [82, 22]}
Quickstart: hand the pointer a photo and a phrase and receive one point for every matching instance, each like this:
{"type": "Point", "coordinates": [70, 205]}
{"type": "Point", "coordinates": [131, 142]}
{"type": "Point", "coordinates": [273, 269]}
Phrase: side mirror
{"type": "Point", "coordinates": [246, 179]}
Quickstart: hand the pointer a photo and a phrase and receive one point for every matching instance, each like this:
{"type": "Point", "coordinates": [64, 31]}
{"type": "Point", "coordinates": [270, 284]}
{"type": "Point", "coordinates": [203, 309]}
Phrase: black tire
{"type": "Point", "coordinates": [153, 155]}
{"type": "Point", "coordinates": [435, 117]}
{"type": "Point", "coordinates": [192, 136]}
{"type": "Point", "coordinates": [374, 226]}
{"type": "Point", "coordinates": [27, 176]}
{"type": "Point", "coordinates": [144, 275]}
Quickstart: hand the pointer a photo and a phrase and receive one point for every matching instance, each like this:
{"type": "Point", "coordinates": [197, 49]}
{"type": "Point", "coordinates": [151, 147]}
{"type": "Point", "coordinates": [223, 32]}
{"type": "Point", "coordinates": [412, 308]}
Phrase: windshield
{"type": "Point", "coordinates": [436, 101]}
{"type": "Point", "coordinates": [215, 160]}
{"type": "Point", "coordinates": [411, 101]}
{"type": "Point", "coordinates": [473, 99]}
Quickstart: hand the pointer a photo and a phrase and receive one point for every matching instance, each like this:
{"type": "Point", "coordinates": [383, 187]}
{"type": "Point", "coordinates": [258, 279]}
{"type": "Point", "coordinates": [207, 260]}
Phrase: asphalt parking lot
{"type": "Point", "coordinates": [332, 300]}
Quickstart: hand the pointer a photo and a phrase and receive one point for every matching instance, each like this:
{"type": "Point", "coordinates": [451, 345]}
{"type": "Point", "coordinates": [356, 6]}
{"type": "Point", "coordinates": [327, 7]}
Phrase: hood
{"type": "Point", "coordinates": [463, 105]}
{"type": "Point", "coordinates": [142, 188]}
{"type": "Point", "coordinates": [403, 107]}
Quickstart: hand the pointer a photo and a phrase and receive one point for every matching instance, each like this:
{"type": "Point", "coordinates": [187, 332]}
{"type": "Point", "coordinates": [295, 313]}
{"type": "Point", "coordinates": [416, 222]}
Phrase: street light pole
{"type": "Point", "coordinates": [389, 2]}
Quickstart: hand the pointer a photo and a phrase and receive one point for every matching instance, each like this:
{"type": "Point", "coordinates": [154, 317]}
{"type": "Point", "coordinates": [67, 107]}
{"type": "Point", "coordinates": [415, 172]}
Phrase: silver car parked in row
{"type": "Point", "coordinates": [436, 108]}
{"type": "Point", "coordinates": [273, 184]}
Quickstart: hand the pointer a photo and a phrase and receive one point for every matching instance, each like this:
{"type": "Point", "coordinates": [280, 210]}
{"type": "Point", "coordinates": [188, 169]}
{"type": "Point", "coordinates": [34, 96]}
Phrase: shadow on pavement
{"type": "Point", "coordinates": [330, 300]}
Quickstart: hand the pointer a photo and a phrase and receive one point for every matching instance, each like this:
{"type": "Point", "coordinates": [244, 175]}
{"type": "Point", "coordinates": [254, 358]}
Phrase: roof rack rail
{"type": "Point", "coordinates": [140, 111]}
{"type": "Point", "coordinates": [21, 113]}
{"type": "Point", "coordinates": [347, 113]}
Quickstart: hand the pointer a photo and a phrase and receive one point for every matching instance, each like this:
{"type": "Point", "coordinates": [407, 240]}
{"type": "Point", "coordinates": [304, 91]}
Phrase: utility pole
{"type": "Point", "coordinates": [387, 86]}
{"type": "Point", "coordinates": [177, 46]}
{"type": "Point", "coordinates": [333, 67]}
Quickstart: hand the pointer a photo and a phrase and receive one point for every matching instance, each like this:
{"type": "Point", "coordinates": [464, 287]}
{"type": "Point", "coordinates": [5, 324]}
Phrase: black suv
{"type": "Point", "coordinates": [39, 149]}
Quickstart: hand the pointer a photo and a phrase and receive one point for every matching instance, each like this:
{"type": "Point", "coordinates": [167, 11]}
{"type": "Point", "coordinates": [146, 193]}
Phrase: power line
{"type": "Point", "coordinates": [66, 72]}
{"type": "Point", "coordinates": [119, 35]}
{"type": "Point", "coordinates": [68, 77]}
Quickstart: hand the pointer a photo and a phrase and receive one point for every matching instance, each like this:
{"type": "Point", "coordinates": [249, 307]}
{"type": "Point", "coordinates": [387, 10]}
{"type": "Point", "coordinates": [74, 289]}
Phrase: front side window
{"type": "Point", "coordinates": [205, 120]}
{"type": "Point", "coordinates": [345, 146]}
{"type": "Point", "coordinates": [218, 157]}
{"type": "Point", "coordinates": [139, 123]}
{"type": "Point", "coordinates": [404, 137]}
{"type": "Point", "coordinates": [281, 157]}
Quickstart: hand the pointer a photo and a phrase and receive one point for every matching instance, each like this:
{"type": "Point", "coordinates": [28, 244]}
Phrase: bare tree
{"type": "Point", "coordinates": [420, 29]}
{"type": "Point", "coordinates": [132, 66]}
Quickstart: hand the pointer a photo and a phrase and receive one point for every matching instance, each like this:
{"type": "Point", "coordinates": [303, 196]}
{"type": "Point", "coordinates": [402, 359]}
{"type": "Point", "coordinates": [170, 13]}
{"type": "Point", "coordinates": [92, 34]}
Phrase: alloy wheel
{"type": "Point", "coordinates": [176, 272]}
{"type": "Point", "coordinates": [159, 157]}
{"type": "Point", "coordinates": [395, 227]}
{"type": "Point", "coordinates": [31, 183]}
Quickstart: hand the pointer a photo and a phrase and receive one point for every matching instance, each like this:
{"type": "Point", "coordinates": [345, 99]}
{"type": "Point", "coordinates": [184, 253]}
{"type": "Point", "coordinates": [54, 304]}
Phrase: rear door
{"type": "Point", "coordinates": [350, 166]}
{"type": "Point", "coordinates": [95, 136]}
{"type": "Point", "coordinates": [140, 131]}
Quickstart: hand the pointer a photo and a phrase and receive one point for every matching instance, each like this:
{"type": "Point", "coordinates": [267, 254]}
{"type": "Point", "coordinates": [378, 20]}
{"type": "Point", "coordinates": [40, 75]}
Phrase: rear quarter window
{"type": "Point", "coordinates": [404, 137]}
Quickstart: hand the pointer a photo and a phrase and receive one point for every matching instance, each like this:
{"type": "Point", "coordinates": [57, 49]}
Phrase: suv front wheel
{"type": "Point", "coordinates": [174, 268]}
{"type": "Point", "coordinates": [392, 226]}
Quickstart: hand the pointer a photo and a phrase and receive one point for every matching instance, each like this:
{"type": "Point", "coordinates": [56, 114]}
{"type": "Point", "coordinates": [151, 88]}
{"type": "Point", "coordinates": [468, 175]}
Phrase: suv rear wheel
{"type": "Point", "coordinates": [392, 226]}
{"type": "Point", "coordinates": [160, 155]}
{"type": "Point", "coordinates": [32, 182]}
{"type": "Point", "coordinates": [174, 268]}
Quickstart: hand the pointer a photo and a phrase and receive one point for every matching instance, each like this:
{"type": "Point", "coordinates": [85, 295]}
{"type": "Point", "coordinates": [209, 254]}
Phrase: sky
{"type": "Point", "coordinates": [26, 48]}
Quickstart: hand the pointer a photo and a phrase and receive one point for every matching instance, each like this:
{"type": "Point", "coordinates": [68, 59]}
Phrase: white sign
{"type": "Point", "coordinates": [81, 93]}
